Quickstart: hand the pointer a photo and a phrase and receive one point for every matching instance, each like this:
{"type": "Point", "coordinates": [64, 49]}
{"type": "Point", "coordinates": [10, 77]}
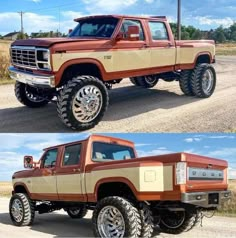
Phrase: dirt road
{"type": "Point", "coordinates": [132, 109]}
{"type": "Point", "coordinates": [58, 224]}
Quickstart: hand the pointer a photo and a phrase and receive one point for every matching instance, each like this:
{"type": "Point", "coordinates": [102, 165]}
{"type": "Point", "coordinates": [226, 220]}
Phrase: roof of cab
{"type": "Point", "coordinates": [162, 18]}
{"type": "Point", "coordinates": [91, 137]}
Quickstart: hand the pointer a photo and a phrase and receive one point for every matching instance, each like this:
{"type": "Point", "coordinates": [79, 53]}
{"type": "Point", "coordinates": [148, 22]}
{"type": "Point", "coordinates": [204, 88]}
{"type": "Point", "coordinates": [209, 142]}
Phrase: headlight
{"type": "Point", "coordinates": [181, 173]}
{"type": "Point", "coordinates": [45, 55]}
{"type": "Point", "coordinates": [43, 59]}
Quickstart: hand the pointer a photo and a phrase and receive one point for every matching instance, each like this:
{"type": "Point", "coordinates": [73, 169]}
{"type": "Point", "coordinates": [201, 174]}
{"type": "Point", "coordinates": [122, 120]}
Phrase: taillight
{"type": "Point", "coordinates": [181, 172]}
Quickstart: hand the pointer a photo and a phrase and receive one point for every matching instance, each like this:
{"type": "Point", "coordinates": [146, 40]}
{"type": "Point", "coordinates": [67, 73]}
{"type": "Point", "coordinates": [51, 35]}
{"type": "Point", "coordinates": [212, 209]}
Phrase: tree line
{"type": "Point", "coordinates": [220, 34]}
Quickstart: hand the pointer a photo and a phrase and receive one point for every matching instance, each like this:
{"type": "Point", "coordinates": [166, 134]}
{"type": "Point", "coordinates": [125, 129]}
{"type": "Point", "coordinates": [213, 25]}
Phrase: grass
{"type": "Point", "coordinates": [226, 49]}
{"type": "Point", "coordinates": [4, 62]}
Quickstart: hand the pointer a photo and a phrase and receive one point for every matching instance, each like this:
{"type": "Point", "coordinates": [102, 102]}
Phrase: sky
{"type": "Point", "coordinates": [54, 15]}
{"type": "Point", "coordinates": [13, 147]}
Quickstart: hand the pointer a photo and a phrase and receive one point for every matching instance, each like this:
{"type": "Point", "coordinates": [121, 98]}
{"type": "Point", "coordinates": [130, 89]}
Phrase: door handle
{"type": "Point", "coordinates": [169, 45]}
{"type": "Point", "coordinates": [76, 170]}
{"type": "Point", "coordinates": [54, 172]}
{"type": "Point", "coordinates": [144, 46]}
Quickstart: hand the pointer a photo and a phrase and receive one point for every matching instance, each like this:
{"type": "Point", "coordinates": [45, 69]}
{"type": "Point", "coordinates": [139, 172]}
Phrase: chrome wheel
{"type": "Point", "coordinates": [111, 222]}
{"type": "Point", "coordinates": [31, 94]}
{"type": "Point", "coordinates": [17, 210]}
{"type": "Point", "coordinates": [207, 81]}
{"type": "Point", "coordinates": [87, 103]}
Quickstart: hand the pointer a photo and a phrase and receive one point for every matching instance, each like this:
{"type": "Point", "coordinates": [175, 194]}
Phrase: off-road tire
{"type": "Point", "coordinates": [66, 96]}
{"type": "Point", "coordinates": [185, 82]}
{"type": "Point", "coordinates": [197, 77]}
{"type": "Point", "coordinates": [82, 211]}
{"type": "Point", "coordinates": [191, 220]}
{"type": "Point", "coordinates": [146, 221]}
{"type": "Point", "coordinates": [134, 81]}
{"type": "Point", "coordinates": [20, 92]}
{"type": "Point", "coordinates": [28, 210]}
{"type": "Point", "coordinates": [129, 212]}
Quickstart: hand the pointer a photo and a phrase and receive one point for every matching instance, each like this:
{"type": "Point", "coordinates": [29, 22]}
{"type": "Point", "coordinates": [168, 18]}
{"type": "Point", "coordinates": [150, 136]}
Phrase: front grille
{"type": "Point", "coordinates": [24, 57]}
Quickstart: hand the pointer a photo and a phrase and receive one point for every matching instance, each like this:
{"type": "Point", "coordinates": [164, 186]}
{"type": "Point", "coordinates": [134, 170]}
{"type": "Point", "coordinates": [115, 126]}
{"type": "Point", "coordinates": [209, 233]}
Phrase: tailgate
{"type": "Point", "coordinates": [205, 174]}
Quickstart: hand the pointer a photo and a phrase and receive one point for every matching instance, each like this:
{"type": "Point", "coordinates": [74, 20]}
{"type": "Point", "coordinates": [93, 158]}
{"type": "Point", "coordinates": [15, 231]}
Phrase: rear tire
{"type": "Point", "coordinates": [203, 80]}
{"type": "Point", "coordinates": [21, 210]}
{"type": "Point", "coordinates": [187, 221]}
{"type": "Point", "coordinates": [185, 82]}
{"type": "Point", "coordinates": [134, 81]}
{"type": "Point", "coordinates": [77, 213]}
{"type": "Point", "coordinates": [82, 102]}
{"type": "Point", "coordinates": [116, 217]}
{"type": "Point", "coordinates": [28, 96]}
{"type": "Point", "coordinates": [146, 221]}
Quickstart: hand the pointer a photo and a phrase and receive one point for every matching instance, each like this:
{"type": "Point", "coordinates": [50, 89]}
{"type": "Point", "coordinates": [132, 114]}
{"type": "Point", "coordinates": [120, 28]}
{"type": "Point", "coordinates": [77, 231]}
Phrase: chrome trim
{"type": "Point", "coordinates": [36, 60]}
{"type": "Point", "coordinates": [32, 79]}
{"type": "Point", "coordinates": [204, 174]}
{"type": "Point", "coordinates": [191, 198]}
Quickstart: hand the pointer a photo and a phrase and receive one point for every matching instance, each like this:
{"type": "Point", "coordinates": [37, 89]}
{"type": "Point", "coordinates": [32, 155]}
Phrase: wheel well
{"type": "Point", "coordinates": [115, 189]}
{"type": "Point", "coordinates": [80, 69]}
{"type": "Point", "coordinates": [203, 59]}
{"type": "Point", "coordinates": [20, 189]}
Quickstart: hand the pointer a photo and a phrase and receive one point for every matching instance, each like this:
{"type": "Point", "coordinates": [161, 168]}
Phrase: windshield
{"type": "Point", "coordinates": [103, 152]}
{"type": "Point", "coordinates": [95, 27]}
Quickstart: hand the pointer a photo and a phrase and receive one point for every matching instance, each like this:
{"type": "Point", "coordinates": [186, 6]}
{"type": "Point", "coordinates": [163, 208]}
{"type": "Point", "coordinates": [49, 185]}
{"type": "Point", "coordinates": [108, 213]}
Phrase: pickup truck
{"type": "Point", "coordinates": [100, 52]}
{"type": "Point", "coordinates": [127, 194]}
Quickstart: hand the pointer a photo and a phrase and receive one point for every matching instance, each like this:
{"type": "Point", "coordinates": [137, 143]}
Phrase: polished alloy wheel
{"type": "Point", "coordinates": [31, 94]}
{"type": "Point", "coordinates": [111, 222]}
{"type": "Point", "coordinates": [17, 210]}
{"type": "Point", "coordinates": [150, 79]}
{"type": "Point", "coordinates": [87, 103]}
{"type": "Point", "coordinates": [207, 81]}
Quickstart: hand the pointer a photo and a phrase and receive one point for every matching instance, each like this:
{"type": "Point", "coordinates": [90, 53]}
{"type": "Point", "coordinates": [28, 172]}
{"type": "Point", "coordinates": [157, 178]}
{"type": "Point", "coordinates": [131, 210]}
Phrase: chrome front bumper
{"type": "Point", "coordinates": [35, 80]}
{"type": "Point", "coordinates": [206, 199]}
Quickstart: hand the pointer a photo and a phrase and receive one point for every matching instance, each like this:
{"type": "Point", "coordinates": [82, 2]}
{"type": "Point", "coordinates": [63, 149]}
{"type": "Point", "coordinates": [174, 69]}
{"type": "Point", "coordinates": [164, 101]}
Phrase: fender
{"type": "Point", "coordinates": [24, 186]}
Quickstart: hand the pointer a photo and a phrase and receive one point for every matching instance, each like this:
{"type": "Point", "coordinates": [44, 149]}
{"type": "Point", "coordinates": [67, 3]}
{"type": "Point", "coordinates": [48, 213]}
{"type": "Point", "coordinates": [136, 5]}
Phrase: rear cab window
{"type": "Point", "coordinates": [104, 152]}
{"type": "Point", "coordinates": [158, 30]}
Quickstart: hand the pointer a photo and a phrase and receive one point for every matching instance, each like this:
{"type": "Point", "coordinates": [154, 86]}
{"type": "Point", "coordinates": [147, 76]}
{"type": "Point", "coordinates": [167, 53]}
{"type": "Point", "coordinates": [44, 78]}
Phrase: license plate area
{"type": "Point", "coordinates": [213, 198]}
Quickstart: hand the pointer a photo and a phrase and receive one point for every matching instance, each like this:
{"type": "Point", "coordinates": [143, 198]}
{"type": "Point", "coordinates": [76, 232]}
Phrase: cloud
{"type": "Point", "coordinates": [142, 153]}
{"type": "Point", "coordinates": [36, 1]}
{"type": "Point", "coordinates": [226, 153]}
{"type": "Point", "coordinates": [193, 139]}
{"type": "Point", "coordinates": [208, 20]}
{"type": "Point", "coordinates": [232, 173]}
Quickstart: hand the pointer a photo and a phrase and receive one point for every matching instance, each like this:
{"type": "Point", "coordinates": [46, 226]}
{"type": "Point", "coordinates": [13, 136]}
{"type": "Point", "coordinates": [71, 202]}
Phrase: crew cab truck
{"type": "Point", "coordinates": [101, 51]}
{"type": "Point", "coordinates": [128, 194]}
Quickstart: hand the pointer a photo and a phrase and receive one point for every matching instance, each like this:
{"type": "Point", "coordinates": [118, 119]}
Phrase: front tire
{"type": "Point", "coordinates": [29, 96]}
{"type": "Point", "coordinates": [21, 210]}
{"type": "Point", "coordinates": [77, 213]}
{"type": "Point", "coordinates": [116, 217]}
{"type": "Point", "coordinates": [203, 80]}
{"type": "Point", "coordinates": [178, 222]}
{"type": "Point", "coordinates": [185, 82]}
{"type": "Point", "coordinates": [82, 102]}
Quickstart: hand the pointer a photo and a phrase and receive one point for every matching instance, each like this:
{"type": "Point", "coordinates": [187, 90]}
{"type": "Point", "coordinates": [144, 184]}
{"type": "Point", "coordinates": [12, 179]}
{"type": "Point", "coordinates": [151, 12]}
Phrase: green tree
{"type": "Point", "coordinates": [197, 35]}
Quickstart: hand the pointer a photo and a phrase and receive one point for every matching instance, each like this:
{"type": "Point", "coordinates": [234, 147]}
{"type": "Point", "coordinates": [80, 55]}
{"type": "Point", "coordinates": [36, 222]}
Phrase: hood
{"type": "Point", "coordinates": [22, 174]}
{"type": "Point", "coordinates": [47, 42]}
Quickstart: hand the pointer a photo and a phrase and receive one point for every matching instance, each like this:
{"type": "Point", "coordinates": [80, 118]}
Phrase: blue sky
{"type": "Point", "coordinates": [58, 15]}
{"type": "Point", "coordinates": [13, 147]}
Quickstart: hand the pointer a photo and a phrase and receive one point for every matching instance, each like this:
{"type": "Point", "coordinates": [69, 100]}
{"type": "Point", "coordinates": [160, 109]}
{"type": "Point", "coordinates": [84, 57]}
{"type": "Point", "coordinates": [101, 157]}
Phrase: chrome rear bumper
{"type": "Point", "coordinates": [35, 80]}
{"type": "Point", "coordinates": [206, 199]}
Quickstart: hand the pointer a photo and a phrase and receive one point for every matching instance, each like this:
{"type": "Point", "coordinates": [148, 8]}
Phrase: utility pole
{"type": "Point", "coordinates": [179, 20]}
{"type": "Point", "coordinates": [21, 20]}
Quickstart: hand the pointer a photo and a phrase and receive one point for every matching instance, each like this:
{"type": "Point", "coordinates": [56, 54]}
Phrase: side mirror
{"type": "Point", "coordinates": [28, 162]}
{"type": "Point", "coordinates": [133, 33]}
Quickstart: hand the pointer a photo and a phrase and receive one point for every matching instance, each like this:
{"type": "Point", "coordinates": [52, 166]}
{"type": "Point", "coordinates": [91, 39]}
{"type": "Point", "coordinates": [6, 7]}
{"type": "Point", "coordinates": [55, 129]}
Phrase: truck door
{"type": "Point", "coordinates": [163, 50]}
{"type": "Point", "coordinates": [131, 55]}
{"type": "Point", "coordinates": [44, 179]}
{"type": "Point", "coordinates": [68, 173]}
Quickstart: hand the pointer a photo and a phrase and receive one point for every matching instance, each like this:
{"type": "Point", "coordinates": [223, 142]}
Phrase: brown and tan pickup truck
{"type": "Point", "coordinates": [101, 51]}
{"type": "Point", "coordinates": [128, 194]}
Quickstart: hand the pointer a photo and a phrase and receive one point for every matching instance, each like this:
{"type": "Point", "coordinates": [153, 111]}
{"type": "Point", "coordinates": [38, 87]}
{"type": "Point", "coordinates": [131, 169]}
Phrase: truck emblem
{"type": "Point", "coordinates": [107, 57]}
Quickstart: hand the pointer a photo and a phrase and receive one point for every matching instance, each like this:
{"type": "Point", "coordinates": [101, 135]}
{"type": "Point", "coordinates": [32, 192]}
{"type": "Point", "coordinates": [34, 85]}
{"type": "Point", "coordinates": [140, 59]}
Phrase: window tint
{"type": "Point", "coordinates": [127, 23]}
{"type": "Point", "coordinates": [49, 159]}
{"type": "Point", "coordinates": [72, 155]}
{"type": "Point", "coordinates": [158, 31]}
{"type": "Point", "coordinates": [103, 152]}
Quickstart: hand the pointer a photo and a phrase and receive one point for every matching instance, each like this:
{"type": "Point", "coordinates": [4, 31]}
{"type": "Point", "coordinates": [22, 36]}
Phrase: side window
{"type": "Point", "coordinates": [158, 30]}
{"type": "Point", "coordinates": [49, 159]}
{"type": "Point", "coordinates": [71, 155]}
{"type": "Point", "coordinates": [127, 23]}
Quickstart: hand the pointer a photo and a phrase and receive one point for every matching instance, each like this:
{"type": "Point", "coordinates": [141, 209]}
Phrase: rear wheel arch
{"type": "Point", "coordinates": [119, 187]}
